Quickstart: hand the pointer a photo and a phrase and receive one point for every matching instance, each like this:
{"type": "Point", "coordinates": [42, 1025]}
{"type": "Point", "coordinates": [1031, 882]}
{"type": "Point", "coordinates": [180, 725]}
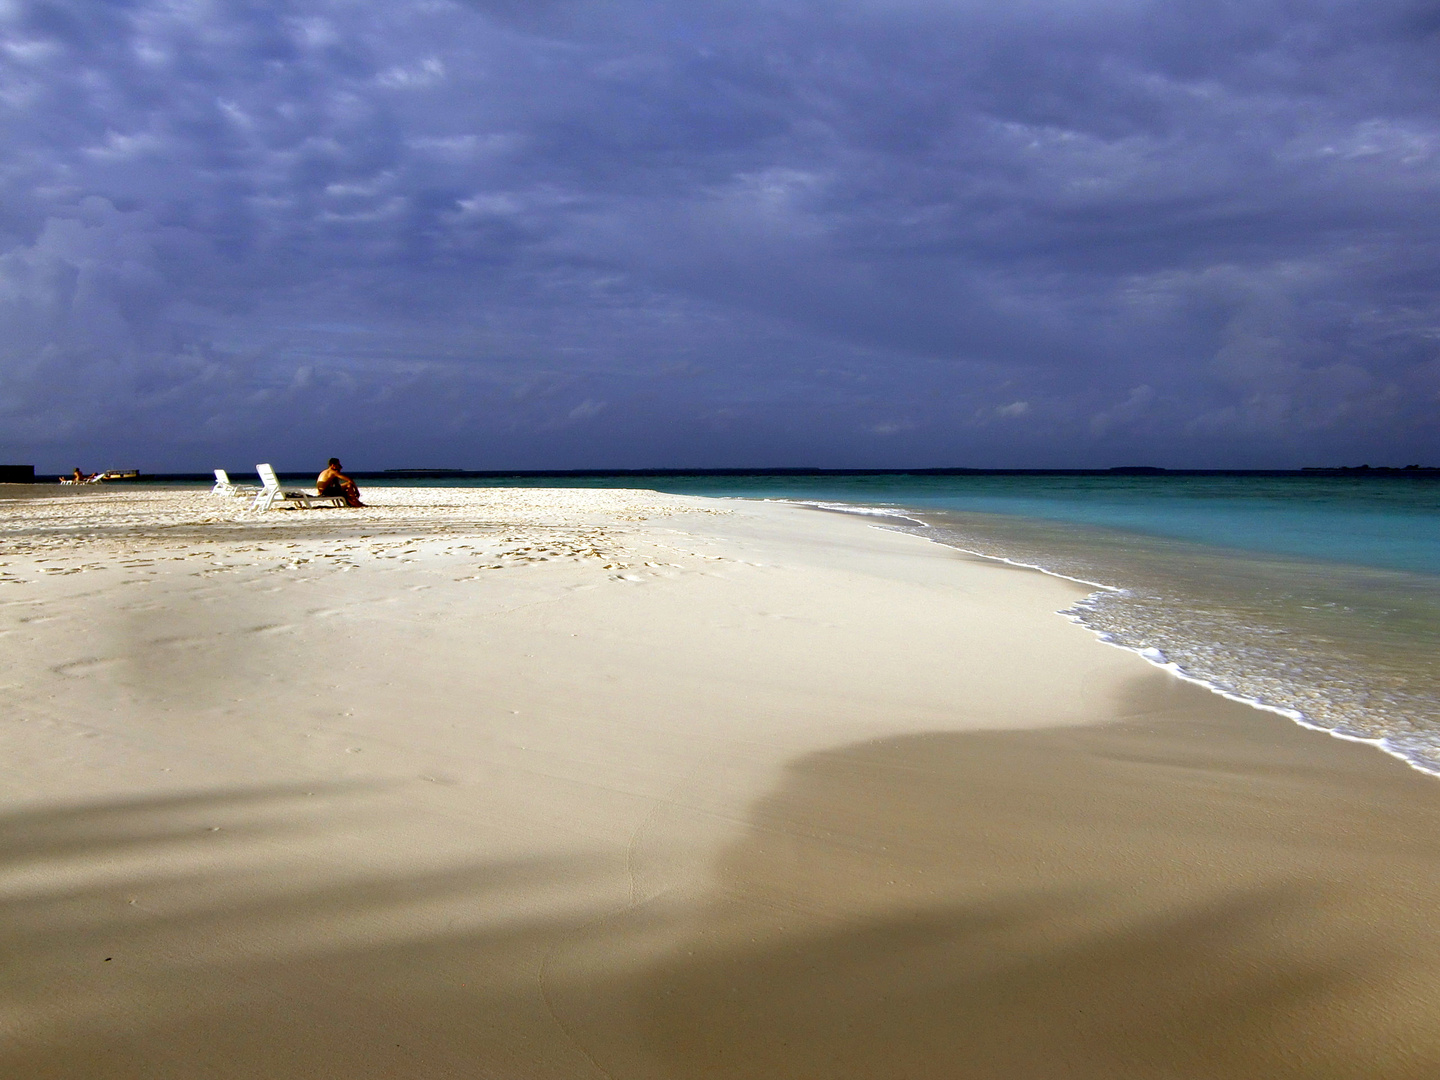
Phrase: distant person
{"type": "Point", "coordinates": [333, 482]}
{"type": "Point", "coordinates": [79, 476]}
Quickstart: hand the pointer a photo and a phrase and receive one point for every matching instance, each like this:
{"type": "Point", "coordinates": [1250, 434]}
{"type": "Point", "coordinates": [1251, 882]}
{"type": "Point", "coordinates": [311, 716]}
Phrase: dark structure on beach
{"type": "Point", "coordinates": [17, 474]}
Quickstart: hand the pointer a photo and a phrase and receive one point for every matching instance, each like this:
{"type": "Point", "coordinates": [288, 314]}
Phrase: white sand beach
{"type": "Point", "coordinates": [532, 783]}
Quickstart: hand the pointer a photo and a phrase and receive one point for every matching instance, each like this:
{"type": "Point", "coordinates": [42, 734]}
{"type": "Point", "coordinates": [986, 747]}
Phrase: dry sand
{"type": "Point", "coordinates": [532, 784]}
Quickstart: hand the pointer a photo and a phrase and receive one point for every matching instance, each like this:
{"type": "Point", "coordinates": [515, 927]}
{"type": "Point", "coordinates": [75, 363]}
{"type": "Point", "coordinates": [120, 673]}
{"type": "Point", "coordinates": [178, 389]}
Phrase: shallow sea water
{"type": "Point", "coordinates": [1349, 649]}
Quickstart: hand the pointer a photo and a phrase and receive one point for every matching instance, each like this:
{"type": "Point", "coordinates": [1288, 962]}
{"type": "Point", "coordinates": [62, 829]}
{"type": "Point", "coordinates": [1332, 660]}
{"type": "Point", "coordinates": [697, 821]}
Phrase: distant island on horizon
{"type": "Point", "coordinates": [26, 474]}
{"type": "Point", "coordinates": [1124, 470]}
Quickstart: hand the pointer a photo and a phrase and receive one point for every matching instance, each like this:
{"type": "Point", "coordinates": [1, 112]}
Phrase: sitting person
{"type": "Point", "coordinates": [79, 476]}
{"type": "Point", "coordinates": [333, 482]}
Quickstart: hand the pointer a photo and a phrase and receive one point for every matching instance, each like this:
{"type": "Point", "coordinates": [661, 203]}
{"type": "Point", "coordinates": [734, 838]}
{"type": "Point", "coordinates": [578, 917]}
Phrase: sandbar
{"type": "Point", "coordinates": [552, 783]}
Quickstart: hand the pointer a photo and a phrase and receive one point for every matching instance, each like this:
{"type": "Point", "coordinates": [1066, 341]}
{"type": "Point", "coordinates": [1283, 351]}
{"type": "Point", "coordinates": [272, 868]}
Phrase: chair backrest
{"type": "Point", "coordinates": [222, 477]}
{"type": "Point", "coordinates": [267, 476]}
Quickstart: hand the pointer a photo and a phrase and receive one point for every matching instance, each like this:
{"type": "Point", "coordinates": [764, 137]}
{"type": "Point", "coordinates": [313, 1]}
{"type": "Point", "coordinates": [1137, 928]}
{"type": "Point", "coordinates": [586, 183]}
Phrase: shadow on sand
{"type": "Point", "coordinates": [1173, 897]}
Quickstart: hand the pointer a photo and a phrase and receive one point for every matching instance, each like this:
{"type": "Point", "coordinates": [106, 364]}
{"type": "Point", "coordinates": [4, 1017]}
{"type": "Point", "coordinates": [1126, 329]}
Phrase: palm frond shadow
{"type": "Point", "coordinates": [1048, 940]}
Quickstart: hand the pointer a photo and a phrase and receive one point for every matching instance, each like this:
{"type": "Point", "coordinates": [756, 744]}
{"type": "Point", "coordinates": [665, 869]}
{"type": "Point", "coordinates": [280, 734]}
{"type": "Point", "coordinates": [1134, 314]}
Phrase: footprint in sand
{"type": "Point", "coordinates": [80, 669]}
{"type": "Point", "coordinates": [272, 628]}
{"type": "Point", "coordinates": [176, 642]}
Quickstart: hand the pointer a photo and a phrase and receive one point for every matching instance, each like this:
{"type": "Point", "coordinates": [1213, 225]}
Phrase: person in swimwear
{"type": "Point", "coordinates": [333, 482]}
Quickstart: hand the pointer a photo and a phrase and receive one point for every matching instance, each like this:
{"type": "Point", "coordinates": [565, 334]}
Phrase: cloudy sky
{"type": "Point", "coordinates": [631, 233]}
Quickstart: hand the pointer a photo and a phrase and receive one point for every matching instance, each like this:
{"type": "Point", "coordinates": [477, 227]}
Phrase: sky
{"type": "Point", "coordinates": [499, 234]}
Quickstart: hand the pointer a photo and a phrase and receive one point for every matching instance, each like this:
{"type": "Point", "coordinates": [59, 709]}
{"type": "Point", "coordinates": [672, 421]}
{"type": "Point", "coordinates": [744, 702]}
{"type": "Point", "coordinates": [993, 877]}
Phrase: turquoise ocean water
{"type": "Point", "coordinates": [1318, 596]}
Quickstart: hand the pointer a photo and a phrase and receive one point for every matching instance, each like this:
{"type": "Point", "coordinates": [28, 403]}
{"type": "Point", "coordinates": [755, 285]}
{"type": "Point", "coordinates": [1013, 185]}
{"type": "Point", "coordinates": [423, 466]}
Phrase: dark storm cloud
{"type": "Point", "coordinates": [622, 232]}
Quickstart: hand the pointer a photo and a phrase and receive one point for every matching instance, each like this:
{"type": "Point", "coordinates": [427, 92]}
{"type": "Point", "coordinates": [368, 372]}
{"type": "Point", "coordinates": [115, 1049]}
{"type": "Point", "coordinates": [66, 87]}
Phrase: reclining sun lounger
{"type": "Point", "coordinates": [271, 493]}
{"type": "Point", "coordinates": [223, 486]}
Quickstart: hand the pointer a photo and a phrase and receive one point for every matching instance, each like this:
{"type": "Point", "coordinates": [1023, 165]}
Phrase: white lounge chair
{"type": "Point", "coordinates": [271, 493]}
{"type": "Point", "coordinates": [223, 486]}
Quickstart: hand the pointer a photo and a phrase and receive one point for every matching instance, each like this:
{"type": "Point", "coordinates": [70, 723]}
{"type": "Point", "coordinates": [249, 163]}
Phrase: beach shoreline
{"type": "Point", "coordinates": [567, 783]}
